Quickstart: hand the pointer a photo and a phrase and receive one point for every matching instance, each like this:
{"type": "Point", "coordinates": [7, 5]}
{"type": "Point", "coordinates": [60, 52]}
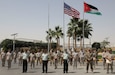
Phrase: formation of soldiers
{"type": "Point", "coordinates": [56, 57]}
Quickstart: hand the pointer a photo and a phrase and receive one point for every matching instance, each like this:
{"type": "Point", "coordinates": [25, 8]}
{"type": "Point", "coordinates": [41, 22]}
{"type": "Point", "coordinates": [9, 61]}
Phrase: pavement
{"type": "Point", "coordinates": [81, 70]}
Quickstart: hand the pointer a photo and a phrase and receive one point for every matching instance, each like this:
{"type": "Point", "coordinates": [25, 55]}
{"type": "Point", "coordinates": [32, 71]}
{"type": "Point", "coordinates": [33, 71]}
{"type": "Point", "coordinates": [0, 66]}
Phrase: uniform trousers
{"type": "Point", "coordinates": [3, 62]}
{"type": "Point", "coordinates": [89, 63]}
{"type": "Point", "coordinates": [9, 63]}
{"type": "Point", "coordinates": [65, 63]}
{"type": "Point", "coordinates": [104, 62]}
{"type": "Point", "coordinates": [25, 65]}
{"type": "Point", "coordinates": [111, 67]}
{"type": "Point", "coordinates": [45, 66]}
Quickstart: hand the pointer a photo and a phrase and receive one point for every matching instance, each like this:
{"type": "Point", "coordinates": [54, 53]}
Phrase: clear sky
{"type": "Point", "coordinates": [29, 18]}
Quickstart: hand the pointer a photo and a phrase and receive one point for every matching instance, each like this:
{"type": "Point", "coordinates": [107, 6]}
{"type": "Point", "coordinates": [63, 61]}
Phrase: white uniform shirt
{"type": "Point", "coordinates": [44, 56]}
{"type": "Point", "coordinates": [24, 55]}
{"type": "Point", "coordinates": [65, 56]}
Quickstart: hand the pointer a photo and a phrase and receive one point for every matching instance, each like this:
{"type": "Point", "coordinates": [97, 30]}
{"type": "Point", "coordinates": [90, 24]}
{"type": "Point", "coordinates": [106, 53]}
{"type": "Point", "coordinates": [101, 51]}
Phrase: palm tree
{"type": "Point", "coordinates": [58, 33]}
{"type": "Point", "coordinates": [73, 27]}
{"type": "Point", "coordinates": [87, 30]}
{"type": "Point", "coordinates": [50, 35]}
{"type": "Point", "coordinates": [69, 35]}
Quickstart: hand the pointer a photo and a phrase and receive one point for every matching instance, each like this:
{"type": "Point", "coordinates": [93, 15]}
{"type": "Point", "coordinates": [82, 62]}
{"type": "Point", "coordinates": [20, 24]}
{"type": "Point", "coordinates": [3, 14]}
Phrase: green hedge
{"type": "Point", "coordinates": [99, 56]}
{"type": "Point", "coordinates": [113, 52]}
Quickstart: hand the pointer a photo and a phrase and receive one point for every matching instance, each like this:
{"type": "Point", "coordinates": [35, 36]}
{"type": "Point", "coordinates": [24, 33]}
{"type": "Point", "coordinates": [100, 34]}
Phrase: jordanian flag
{"type": "Point", "coordinates": [91, 9]}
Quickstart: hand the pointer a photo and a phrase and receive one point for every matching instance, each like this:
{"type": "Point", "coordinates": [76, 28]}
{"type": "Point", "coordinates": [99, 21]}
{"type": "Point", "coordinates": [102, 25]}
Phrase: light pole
{"type": "Point", "coordinates": [48, 24]}
{"type": "Point", "coordinates": [14, 40]}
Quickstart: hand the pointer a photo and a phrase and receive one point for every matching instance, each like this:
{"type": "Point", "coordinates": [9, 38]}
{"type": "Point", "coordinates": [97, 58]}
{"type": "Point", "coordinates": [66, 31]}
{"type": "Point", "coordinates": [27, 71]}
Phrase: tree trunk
{"type": "Point", "coordinates": [68, 42]}
{"type": "Point", "coordinates": [80, 43]}
{"type": "Point", "coordinates": [57, 44]}
{"type": "Point", "coordinates": [50, 45]}
{"type": "Point", "coordinates": [75, 42]}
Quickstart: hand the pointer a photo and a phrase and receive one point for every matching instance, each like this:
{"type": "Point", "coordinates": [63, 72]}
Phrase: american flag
{"type": "Point", "coordinates": [71, 11]}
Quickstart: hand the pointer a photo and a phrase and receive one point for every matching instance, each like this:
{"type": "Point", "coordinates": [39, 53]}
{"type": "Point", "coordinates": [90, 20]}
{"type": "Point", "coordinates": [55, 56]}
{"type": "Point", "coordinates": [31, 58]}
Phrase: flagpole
{"type": "Point", "coordinates": [63, 28]}
{"type": "Point", "coordinates": [83, 26]}
{"type": "Point", "coordinates": [48, 24]}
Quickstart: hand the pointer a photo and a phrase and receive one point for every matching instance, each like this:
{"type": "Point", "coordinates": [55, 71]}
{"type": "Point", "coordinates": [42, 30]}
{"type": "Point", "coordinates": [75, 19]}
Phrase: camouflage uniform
{"type": "Point", "coordinates": [89, 59]}
{"type": "Point", "coordinates": [109, 62]}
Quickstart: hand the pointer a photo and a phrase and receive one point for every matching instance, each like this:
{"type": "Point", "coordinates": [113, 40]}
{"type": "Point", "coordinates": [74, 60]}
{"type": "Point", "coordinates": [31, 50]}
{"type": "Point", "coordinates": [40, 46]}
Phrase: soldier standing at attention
{"type": "Point", "coordinates": [25, 64]}
{"type": "Point", "coordinates": [89, 60]}
{"type": "Point", "coordinates": [44, 61]}
{"type": "Point", "coordinates": [19, 56]}
{"type": "Point", "coordinates": [109, 61]}
{"type": "Point", "coordinates": [65, 61]}
{"type": "Point", "coordinates": [94, 57]}
{"type": "Point", "coordinates": [75, 59]}
{"type": "Point", "coordinates": [3, 55]}
{"type": "Point", "coordinates": [9, 58]}
{"type": "Point", "coordinates": [38, 57]}
{"type": "Point", "coordinates": [104, 60]}
{"type": "Point", "coordinates": [81, 56]}
{"type": "Point", "coordinates": [32, 59]}
{"type": "Point", "coordinates": [55, 59]}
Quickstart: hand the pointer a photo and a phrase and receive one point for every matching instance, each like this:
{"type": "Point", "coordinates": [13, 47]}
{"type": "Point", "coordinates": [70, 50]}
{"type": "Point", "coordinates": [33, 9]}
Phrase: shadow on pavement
{"type": "Point", "coordinates": [71, 72]}
{"type": "Point", "coordinates": [31, 72]}
{"type": "Point", "coordinates": [97, 68]}
{"type": "Point", "coordinates": [113, 73]}
{"type": "Point", "coordinates": [96, 72]}
{"type": "Point", "coordinates": [51, 72]}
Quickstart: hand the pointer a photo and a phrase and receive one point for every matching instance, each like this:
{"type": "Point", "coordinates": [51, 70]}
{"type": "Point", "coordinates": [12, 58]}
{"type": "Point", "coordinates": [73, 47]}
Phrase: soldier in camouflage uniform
{"type": "Point", "coordinates": [3, 57]}
{"type": "Point", "coordinates": [89, 60]}
{"type": "Point", "coordinates": [109, 61]}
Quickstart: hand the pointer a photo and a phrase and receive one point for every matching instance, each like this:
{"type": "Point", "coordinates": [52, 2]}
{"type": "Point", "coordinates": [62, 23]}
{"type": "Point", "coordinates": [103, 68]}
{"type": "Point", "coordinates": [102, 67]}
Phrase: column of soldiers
{"type": "Point", "coordinates": [56, 57]}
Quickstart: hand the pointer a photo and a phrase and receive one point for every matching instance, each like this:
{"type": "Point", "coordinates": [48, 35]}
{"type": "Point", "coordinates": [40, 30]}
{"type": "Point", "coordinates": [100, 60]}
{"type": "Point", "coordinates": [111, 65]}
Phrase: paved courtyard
{"type": "Point", "coordinates": [81, 70]}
